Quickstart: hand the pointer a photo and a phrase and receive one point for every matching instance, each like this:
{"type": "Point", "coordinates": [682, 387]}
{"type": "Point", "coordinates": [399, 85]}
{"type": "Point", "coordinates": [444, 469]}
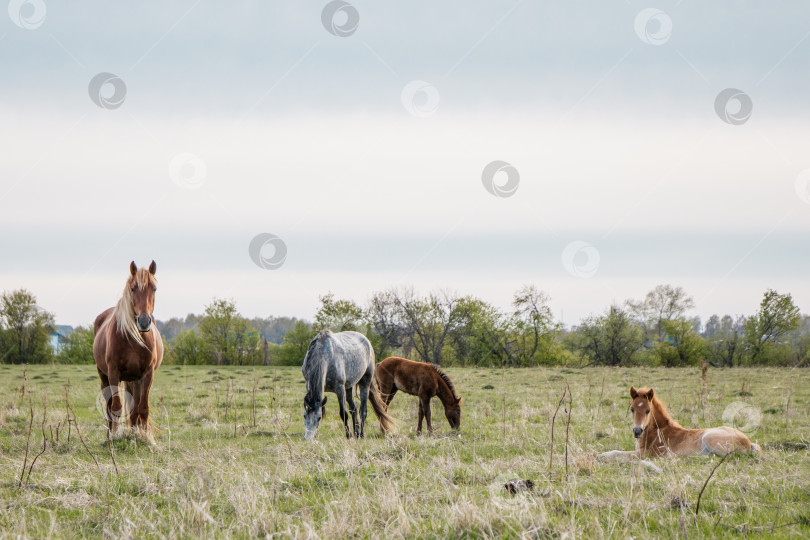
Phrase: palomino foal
{"type": "Point", "coordinates": [659, 435]}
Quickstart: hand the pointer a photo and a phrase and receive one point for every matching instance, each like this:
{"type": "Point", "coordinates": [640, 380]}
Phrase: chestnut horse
{"type": "Point", "coordinates": [128, 349]}
{"type": "Point", "coordinates": [423, 380]}
{"type": "Point", "coordinates": [659, 435]}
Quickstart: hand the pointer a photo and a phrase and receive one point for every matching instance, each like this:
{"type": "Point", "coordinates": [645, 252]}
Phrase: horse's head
{"type": "Point", "coordinates": [313, 412]}
{"type": "Point", "coordinates": [641, 407]}
{"type": "Point", "coordinates": [141, 287]}
{"type": "Point", "coordinates": [453, 414]}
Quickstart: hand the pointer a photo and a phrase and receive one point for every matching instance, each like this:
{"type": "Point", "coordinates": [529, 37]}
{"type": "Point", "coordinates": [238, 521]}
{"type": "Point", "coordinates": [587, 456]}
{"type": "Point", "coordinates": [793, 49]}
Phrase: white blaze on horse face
{"type": "Point", "coordinates": [639, 414]}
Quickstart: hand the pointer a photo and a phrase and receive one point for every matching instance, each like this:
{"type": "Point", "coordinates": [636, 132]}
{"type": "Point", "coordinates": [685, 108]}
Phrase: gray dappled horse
{"type": "Point", "coordinates": [335, 363]}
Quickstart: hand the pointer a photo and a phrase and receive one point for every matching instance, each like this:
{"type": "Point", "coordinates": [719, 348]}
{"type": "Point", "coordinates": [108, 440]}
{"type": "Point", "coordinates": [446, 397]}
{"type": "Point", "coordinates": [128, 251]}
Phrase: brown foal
{"type": "Point", "coordinates": [422, 380]}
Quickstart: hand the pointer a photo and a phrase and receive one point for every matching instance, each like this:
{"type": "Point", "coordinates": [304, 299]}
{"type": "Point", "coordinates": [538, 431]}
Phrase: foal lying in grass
{"type": "Point", "coordinates": [659, 435]}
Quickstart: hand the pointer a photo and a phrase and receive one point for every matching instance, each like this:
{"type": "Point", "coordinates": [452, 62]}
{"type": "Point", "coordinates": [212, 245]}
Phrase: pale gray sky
{"type": "Point", "coordinates": [372, 178]}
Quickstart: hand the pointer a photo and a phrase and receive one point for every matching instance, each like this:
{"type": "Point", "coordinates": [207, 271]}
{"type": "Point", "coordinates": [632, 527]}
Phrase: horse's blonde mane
{"type": "Point", "coordinates": [124, 313]}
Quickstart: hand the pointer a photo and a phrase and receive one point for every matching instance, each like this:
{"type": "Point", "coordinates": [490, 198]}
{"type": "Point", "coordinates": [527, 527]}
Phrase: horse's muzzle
{"type": "Point", "coordinates": [144, 322]}
{"type": "Point", "coordinates": [637, 431]}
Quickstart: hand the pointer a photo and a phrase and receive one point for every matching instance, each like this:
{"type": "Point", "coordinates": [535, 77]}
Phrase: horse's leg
{"type": "Point", "coordinates": [385, 383]}
{"type": "Point", "coordinates": [720, 442]}
{"type": "Point", "coordinates": [141, 404]}
{"type": "Point", "coordinates": [115, 408]}
{"type": "Point", "coordinates": [353, 410]}
{"type": "Point", "coordinates": [134, 389]}
{"type": "Point", "coordinates": [390, 396]}
{"type": "Point", "coordinates": [341, 395]}
{"type": "Point", "coordinates": [620, 456]}
{"type": "Point", "coordinates": [364, 388]}
{"type": "Point", "coordinates": [105, 383]}
{"type": "Point", "coordinates": [421, 415]}
{"type": "Point", "coordinates": [426, 411]}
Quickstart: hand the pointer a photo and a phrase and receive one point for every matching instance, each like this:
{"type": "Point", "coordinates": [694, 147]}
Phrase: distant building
{"type": "Point", "coordinates": [59, 336]}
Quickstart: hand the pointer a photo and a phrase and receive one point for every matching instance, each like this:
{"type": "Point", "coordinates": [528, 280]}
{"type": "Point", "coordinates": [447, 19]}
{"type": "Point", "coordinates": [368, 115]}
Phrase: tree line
{"type": "Point", "coordinates": [450, 329]}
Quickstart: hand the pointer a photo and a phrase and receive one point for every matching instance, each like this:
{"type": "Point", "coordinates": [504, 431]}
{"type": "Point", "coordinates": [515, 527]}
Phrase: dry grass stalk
{"type": "Point", "coordinates": [697, 505]}
{"type": "Point", "coordinates": [27, 444]}
{"type": "Point", "coordinates": [44, 440]}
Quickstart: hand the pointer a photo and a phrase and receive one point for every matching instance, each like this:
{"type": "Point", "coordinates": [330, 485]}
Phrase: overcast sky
{"type": "Point", "coordinates": [364, 152]}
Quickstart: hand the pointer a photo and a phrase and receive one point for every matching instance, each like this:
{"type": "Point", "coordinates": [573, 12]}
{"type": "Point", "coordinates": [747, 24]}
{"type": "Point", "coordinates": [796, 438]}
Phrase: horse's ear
{"type": "Point", "coordinates": [633, 393]}
{"type": "Point", "coordinates": [650, 394]}
{"type": "Point", "coordinates": [152, 268]}
{"type": "Point", "coordinates": [133, 268]}
{"type": "Point", "coordinates": [458, 401]}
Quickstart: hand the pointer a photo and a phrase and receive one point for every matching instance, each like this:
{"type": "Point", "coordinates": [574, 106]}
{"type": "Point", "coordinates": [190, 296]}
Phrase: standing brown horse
{"type": "Point", "coordinates": [128, 349]}
{"type": "Point", "coordinates": [423, 380]}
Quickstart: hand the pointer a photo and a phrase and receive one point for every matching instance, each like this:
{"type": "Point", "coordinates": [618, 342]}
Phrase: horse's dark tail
{"type": "Point", "coordinates": [387, 424]}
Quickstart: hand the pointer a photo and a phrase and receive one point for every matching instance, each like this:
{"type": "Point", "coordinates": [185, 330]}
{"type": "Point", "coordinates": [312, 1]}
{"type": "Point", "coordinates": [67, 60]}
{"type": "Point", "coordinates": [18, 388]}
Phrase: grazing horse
{"type": "Point", "coordinates": [128, 349]}
{"type": "Point", "coordinates": [658, 435]}
{"type": "Point", "coordinates": [423, 380]}
{"type": "Point", "coordinates": [335, 363]}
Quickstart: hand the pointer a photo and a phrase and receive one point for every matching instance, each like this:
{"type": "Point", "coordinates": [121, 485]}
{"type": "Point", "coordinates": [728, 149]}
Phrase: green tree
{"type": "Point", "coordinates": [427, 322]}
{"type": "Point", "coordinates": [189, 348]}
{"type": "Point", "coordinates": [765, 331]}
{"type": "Point", "coordinates": [24, 329]}
{"type": "Point", "coordinates": [683, 346]}
{"type": "Point", "coordinates": [77, 348]}
{"type": "Point", "coordinates": [611, 339]}
{"type": "Point", "coordinates": [230, 336]}
{"type": "Point", "coordinates": [338, 315]}
{"type": "Point", "coordinates": [294, 345]}
{"type": "Point", "coordinates": [724, 340]}
{"type": "Point", "coordinates": [478, 340]}
{"type": "Point", "coordinates": [524, 337]}
{"type": "Point", "coordinates": [663, 303]}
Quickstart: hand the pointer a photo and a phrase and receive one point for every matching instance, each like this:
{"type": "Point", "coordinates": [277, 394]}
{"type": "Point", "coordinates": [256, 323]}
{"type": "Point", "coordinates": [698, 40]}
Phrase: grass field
{"type": "Point", "coordinates": [213, 473]}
